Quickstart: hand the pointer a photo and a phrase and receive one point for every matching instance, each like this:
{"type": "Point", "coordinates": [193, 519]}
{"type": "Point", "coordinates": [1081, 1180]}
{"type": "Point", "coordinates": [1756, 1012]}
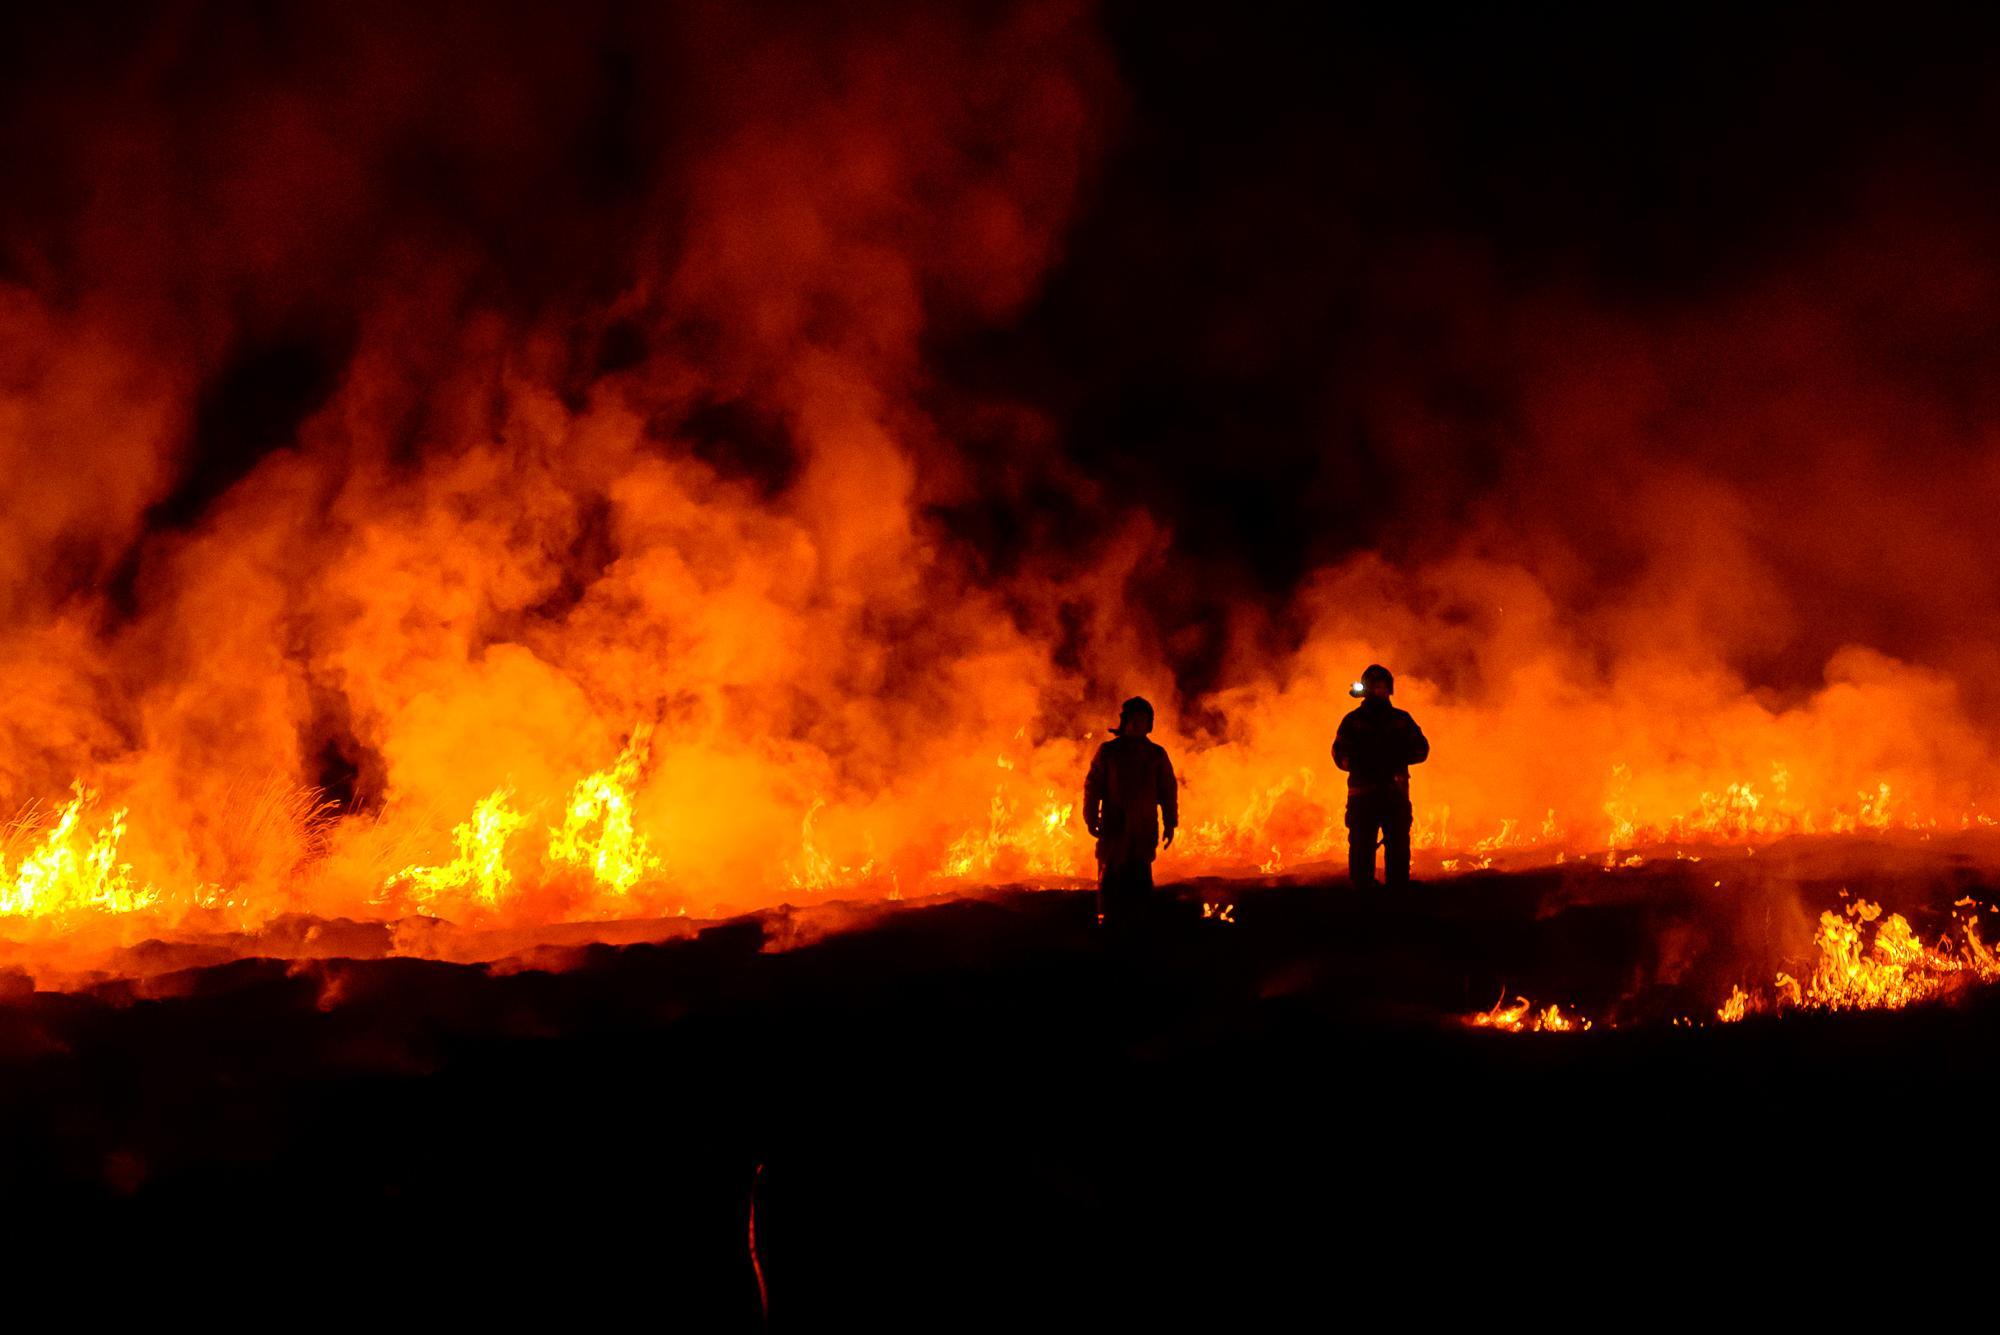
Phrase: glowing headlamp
{"type": "Point", "coordinates": [1357, 690]}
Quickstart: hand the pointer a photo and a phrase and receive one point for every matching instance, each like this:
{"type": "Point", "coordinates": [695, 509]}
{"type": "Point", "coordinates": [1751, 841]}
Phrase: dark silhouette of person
{"type": "Point", "coordinates": [1129, 797]}
{"type": "Point", "coordinates": [1376, 744]}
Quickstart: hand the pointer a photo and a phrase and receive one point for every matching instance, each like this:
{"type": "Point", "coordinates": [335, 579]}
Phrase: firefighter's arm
{"type": "Point", "coordinates": [1343, 753]}
{"type": "Point", "coordinates": [1419, 745]}
{"type": "Point", "coordinates": [1170, 799]}
{"type": "Point", "coordinates": [1093, 795]}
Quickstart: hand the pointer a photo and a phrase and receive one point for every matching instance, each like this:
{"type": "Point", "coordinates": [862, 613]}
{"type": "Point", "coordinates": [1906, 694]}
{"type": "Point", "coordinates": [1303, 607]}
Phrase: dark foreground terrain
{"type": "Point", "coordinates": [983, 1113]}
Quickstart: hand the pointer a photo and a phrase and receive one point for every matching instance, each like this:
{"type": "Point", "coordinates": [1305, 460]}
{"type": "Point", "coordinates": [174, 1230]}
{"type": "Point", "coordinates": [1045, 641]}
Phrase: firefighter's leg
{"type": "Point", "coordinates": [1139, 904]}
{"type": "Point", "coordinates": [1121, 891]}
{"type": "Point", "coordinates": [1361, 826]}
{"type": "Point", "coordinates": [1396, 822]}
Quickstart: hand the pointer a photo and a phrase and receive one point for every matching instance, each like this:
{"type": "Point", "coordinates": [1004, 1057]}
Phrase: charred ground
{"type": "Point", "coordinates": [980, 1110]}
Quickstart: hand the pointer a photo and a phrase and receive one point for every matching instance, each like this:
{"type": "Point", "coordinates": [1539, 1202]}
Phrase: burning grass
{"type": "Point", "coordinates": [1860, 956]}
{"type": "Point", "coordinates": [522, 887]}
{"type": "Point", "coordinates": [602, 849]}
{"type": "Point", "coordinates": [1850, 971]}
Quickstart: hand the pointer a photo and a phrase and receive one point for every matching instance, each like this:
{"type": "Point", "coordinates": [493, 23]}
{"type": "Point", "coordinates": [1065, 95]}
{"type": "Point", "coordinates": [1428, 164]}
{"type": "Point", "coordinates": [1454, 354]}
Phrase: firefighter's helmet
{"type": "Point", "coordinates": [1375, 672]}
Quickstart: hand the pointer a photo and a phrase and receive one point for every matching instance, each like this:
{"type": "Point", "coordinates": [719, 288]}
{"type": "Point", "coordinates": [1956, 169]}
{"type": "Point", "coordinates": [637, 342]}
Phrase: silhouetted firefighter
{"type": "Point", "coordinates": [1376, 745]}
{"type": "Point", "coordinates": [1128, 798]}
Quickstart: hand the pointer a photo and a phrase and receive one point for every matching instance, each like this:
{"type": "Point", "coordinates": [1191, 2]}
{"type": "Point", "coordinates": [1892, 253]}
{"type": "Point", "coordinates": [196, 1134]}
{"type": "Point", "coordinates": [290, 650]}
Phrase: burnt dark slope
{"type": "Point", "coordinates": [980, 1112]}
